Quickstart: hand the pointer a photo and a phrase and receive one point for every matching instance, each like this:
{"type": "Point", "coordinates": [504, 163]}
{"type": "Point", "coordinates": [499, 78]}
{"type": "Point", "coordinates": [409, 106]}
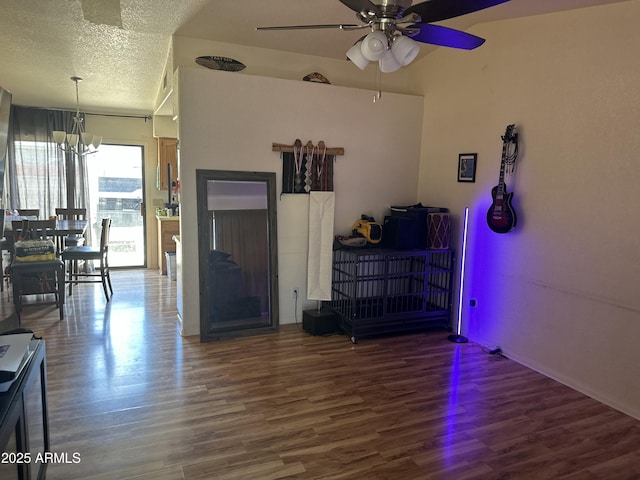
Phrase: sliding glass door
{"type": "Point", "coordinates": [115, 180]}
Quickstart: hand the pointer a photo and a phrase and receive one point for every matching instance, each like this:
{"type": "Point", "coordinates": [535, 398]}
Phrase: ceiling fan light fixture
{"type": "Point", "coordinates": [375, 45]}
{"type": "Point", "coordinates": [405, 50]}
{"type": "Point", "coordinates": [355, 55]}
{"type": "Point", "coordinates": [389, 63]}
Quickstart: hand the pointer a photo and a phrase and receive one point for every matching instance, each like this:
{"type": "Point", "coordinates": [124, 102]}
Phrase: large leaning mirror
{"type": "Point", "coordinates": [238, 253]}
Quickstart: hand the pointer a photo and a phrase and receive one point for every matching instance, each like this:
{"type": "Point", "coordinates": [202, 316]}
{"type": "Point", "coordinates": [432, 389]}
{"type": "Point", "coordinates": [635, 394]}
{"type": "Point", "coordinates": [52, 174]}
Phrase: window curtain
{"type": "Point", "coordinates": [40, 174]}
{"type": "Point", "coordinates": [36, 166]}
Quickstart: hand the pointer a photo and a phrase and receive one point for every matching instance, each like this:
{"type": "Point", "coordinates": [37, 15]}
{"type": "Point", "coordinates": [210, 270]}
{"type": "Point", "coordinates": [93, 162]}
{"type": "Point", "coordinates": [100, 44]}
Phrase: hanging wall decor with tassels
{"type": "Point", "coordinates": [307, 168]}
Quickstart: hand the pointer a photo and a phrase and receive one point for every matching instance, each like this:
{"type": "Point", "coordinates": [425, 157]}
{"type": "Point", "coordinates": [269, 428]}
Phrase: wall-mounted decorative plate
{"type": "Point", "coordinates": [316, 77]}
{"type": "Point", "coordinates": [220, 63]}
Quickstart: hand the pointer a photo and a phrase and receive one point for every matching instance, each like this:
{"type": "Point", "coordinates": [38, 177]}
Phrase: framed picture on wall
{"type": "Point", "coordinates": [467, 167]}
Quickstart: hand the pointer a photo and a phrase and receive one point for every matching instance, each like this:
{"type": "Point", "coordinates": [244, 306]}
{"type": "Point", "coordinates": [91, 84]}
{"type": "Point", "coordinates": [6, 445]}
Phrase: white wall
{"type": "Point", "coordinates": [183, 52]}
{"type": "Point", "coordinates": [559, 293]}
{"type": "Point", "coordinates": [278, 64]}
{"type": "Point", "coordinates": [228, 121]}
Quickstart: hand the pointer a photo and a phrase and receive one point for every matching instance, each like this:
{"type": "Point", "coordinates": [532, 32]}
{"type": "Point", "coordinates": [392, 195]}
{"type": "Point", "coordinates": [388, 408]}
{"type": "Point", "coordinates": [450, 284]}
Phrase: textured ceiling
{"type": "Point", "coordinates": [119, 50]}
{"type": "Point", "coordinates": [119, 47]}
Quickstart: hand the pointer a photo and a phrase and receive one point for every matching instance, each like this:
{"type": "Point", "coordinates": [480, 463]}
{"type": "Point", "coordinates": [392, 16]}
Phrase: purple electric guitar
{"type": "Point", "coordinates": [501, 216]}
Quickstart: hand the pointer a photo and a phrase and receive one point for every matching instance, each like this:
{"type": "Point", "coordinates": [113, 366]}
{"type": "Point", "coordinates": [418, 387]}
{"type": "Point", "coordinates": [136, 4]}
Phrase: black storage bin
{"type": "Point", "coordinates": [319, 322]}
{"type": "Point", "coordinates": [411, 227]}
{"type": "Point", "coordinates": [399, 233]}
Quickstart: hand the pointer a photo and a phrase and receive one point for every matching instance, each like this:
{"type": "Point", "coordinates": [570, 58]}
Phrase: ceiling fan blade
{"type": "Point", "coordinates": [362, 6]}
{"type": "Point", "coordinates": [436, 10]}
{"type": "Point", "coordinates": [341, 26]}
{"type": "Point", "coordinates": [446, 37]}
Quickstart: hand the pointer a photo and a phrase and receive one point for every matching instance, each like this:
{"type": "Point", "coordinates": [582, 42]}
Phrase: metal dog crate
{"type": "Point", "coordinates": [377, 291]}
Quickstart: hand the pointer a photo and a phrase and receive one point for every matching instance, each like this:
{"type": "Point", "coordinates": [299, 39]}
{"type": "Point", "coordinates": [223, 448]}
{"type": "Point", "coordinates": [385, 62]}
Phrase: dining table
{"type": "Point", "coordinates": [62, 229]}
{"type": "Point", "coordinates": [66, 228]}
{"type": "Point", "coordinates": [70, 227]}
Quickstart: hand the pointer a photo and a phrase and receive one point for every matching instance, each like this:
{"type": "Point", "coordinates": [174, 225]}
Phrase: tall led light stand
{"type": "Point", "coordinates": [457, 338]}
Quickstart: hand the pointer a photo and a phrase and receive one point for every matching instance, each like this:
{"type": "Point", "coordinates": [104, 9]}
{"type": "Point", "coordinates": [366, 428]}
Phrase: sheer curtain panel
{"type": "Point", "coordinates": [40, 174]}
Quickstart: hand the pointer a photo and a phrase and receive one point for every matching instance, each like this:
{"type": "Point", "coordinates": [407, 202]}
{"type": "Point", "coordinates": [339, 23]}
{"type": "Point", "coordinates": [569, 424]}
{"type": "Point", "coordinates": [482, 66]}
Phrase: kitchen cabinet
{"type": "Point", "coordinates": [167, 155]}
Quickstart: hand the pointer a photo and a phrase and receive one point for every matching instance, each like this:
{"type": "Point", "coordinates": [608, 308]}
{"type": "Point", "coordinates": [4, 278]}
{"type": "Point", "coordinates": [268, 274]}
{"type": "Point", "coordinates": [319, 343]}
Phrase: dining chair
{"type": "Point", "coordinates": [72, 214]}
{"type": "Point", "coordinates": [86, 253]}
{"type": "Point", "coordinates": [36, 268]}
{"type": "Point", "coordinates": [29, 212]}
{"type": "Point", "coordinates": [33, 230]}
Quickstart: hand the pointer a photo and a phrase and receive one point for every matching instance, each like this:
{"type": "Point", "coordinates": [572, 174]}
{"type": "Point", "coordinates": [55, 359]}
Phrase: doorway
{"type": "Point", "coordinates": [116, 190]}
{"type": "Point", "coordinates": [238, 253]}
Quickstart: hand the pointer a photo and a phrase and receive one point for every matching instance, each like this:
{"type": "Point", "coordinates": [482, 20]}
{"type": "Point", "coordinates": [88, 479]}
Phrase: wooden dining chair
{"type": "Point", "coordinates": [29, 212]}
{"type": "Point", "coordinates": [72, 214]}
{"type": "Point", "coordinates": [36, 268]}
{"type": "Point", "coordinates": [33, 230]}
{"type": "Point", "coordinates": [86, 253]}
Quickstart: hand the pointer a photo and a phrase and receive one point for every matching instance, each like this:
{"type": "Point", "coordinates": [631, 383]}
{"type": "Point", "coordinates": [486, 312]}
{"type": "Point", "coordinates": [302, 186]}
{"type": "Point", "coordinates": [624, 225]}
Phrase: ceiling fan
{"type": "Point", "coordinates": [397, 25]}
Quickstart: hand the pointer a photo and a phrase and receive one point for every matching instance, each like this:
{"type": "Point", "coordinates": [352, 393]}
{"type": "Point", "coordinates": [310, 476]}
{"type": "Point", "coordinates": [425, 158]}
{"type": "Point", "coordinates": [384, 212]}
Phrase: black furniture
{"type": "Point", "coordinates": [33, 229]}
{"type": "Point", "coordinates": [320, 322]}
{"type": "Point", "coordinates": [24, 421]}
{"type": "Point", "coordinates": [86, 253]}
{"type": "Point", "coordinates": [71, 240]}
{"type": "Point", "coordinates": [377, 291]}
{"type": "Point", "coordinates": [40, 277]}
{"type": "Point", "coordinates": [29, 212]}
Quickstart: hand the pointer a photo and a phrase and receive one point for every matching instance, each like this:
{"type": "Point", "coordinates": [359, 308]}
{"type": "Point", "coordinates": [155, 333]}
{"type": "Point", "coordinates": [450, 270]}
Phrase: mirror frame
{"type": "Point", "coordinates": [204, 243]}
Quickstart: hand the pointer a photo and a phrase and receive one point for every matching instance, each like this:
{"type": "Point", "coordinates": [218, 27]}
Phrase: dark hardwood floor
{"type": "Point", "coordinates": [137, 401]}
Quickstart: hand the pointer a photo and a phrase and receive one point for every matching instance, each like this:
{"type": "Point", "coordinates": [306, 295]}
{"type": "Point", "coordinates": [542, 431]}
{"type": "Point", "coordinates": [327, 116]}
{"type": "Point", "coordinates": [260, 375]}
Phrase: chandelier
{"type": "Point", "coordinates": [78, 140]}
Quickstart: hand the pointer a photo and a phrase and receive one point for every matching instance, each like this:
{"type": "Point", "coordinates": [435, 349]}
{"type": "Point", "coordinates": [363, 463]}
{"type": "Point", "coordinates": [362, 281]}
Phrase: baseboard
{"type": "Point", "coordinates": [577, 386]}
